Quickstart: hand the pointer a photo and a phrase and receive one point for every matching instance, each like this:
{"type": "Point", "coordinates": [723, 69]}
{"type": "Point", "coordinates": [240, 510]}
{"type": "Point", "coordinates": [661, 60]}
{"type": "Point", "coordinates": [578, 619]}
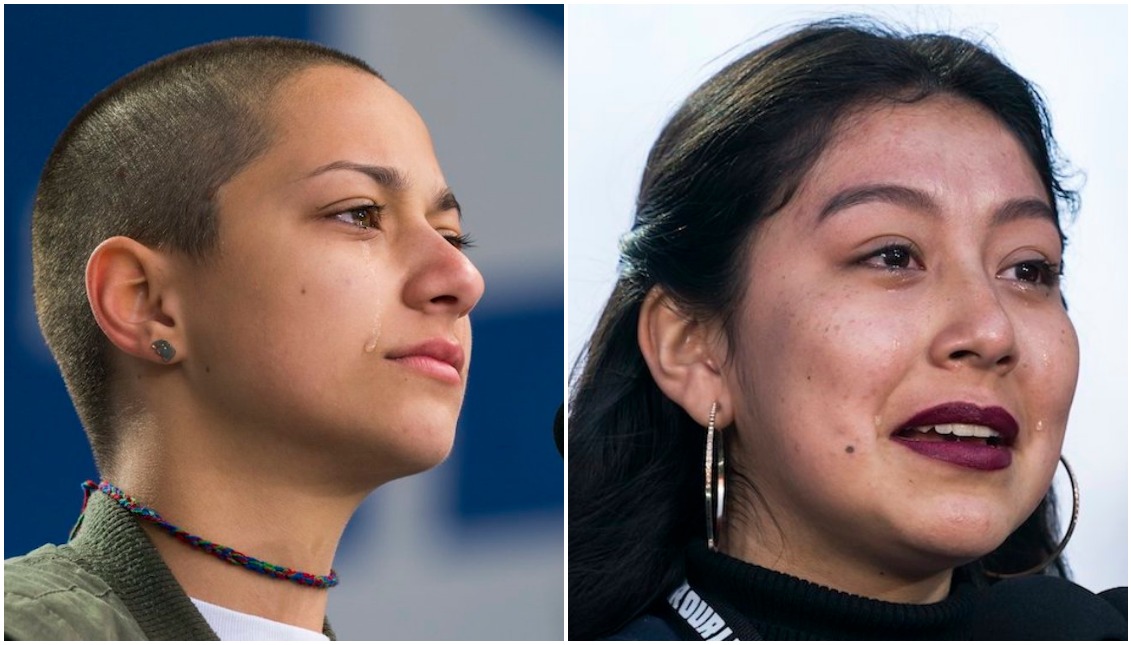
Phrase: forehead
{"type": "Point", "coordinates": [941, 145]}
{"type": "Point", "coordinates": [329, 113]}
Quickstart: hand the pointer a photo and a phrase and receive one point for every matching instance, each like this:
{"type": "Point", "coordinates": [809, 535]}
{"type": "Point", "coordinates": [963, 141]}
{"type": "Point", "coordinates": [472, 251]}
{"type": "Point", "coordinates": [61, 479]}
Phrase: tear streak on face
{"type": "Point", "coordinates": [335, 317]}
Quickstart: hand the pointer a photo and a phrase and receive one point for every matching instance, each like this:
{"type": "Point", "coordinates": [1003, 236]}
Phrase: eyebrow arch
{"type": "Point", "coordinates": [915, 199]}
{"type": "Point", "coordinates": [392, 179]}
{"type": "Point", "coordinates": [446, 201]}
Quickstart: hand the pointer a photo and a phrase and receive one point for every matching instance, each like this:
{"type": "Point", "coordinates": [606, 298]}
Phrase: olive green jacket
{"type": "Point", "coordinates": [107, 583]}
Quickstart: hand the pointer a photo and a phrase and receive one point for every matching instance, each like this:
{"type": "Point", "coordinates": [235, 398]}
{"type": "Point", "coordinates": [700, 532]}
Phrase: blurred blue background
{"type": "Point", "coordinates": [474, 548]}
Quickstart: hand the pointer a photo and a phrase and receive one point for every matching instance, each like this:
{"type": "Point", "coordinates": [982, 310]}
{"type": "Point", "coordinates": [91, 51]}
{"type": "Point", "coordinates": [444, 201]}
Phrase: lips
{"type": "Point", "coordinates": [963, 434]}
{"type": "Point", "coordinates": [439, 358]}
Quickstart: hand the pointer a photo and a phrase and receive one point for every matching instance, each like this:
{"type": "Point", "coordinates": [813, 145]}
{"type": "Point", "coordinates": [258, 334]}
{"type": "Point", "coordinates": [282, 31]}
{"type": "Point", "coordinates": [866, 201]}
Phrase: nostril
{"type": "Point", "coordinates": [963, 354]}
{"type": "Point", "coordinates": [445, 300]}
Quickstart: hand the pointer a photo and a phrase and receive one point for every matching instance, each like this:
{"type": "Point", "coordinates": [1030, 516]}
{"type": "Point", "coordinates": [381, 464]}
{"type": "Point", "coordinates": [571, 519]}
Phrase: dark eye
{"type": "Point", "coordinates": [1035, 272]}
{"type": "Point", "coordinates": [895, 256]}
{"type": "Point", "coordinates": [368, 216]}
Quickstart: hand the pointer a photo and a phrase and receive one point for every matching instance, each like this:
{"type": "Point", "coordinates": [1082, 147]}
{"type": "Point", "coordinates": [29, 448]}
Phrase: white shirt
{"type": "Point", "coordinates": [232, 625]}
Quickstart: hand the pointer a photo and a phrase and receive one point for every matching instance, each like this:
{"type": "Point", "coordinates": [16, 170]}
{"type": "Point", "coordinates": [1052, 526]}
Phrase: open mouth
{"type": "Point", "coordinates": [963, 434]}
{"type": "Point", "coordinates": [954, 433]}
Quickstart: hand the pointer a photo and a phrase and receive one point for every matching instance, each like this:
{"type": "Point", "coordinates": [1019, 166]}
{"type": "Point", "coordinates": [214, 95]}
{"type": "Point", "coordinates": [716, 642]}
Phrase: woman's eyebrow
{"type": "Point", "coordinates": [918, 200]}
{"type": "Point", "coordinates": [394, 180]}
{"type": "Point", "coordinates": [446, 201]}
{"type": "Point", "coordinates": [911, 198]}
{"type": "Point", "coordinates": [386, 176]}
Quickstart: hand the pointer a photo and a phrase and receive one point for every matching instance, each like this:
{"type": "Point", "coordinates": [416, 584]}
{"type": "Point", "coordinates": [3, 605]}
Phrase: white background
{"type": "Point", "coordinates": [628, 69]}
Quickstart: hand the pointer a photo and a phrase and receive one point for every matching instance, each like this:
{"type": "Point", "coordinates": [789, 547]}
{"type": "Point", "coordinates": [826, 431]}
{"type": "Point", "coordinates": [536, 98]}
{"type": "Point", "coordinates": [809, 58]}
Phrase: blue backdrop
{"type": "Point", "coordinates": [504, 471]}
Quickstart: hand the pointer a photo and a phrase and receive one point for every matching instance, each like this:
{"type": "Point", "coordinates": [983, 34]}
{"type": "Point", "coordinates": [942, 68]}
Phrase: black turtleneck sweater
{"type": "Point", "coordinates": [729, 599]}
{"type": "Point", "coordinates": [781, 607]}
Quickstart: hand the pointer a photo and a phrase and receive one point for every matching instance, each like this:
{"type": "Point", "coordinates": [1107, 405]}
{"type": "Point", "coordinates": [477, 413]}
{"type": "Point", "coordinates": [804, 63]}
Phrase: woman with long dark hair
{"type": "Point", "coordinates": [827, 396]}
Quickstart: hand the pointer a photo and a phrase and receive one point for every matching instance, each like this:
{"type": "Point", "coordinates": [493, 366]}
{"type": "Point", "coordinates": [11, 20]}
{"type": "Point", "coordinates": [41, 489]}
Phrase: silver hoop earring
{"type": "Point", "coordinates": [1067, 535]}
{"type": "Point", "coordinates": [714, 468]}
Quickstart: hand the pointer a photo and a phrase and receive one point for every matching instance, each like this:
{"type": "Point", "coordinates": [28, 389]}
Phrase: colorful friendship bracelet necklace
{"type": "Point", "coordinates": [226, 554]}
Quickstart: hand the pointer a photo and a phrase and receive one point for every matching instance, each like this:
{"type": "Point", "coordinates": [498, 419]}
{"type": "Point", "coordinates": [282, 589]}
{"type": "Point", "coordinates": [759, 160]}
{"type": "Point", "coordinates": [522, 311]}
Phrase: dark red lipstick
{"type": "Point", "coordinates": [932, 433]}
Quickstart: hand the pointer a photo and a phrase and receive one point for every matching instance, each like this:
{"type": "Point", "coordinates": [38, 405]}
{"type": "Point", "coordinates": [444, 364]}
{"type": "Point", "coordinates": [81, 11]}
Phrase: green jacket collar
{"type": "Point", "coordinates": [112, 545]}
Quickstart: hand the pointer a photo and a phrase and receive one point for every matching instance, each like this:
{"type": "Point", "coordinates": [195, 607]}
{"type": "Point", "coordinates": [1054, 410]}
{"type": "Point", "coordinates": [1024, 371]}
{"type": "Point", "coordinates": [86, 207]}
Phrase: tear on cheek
{"type": "Point", "coordinates": [374, 336]}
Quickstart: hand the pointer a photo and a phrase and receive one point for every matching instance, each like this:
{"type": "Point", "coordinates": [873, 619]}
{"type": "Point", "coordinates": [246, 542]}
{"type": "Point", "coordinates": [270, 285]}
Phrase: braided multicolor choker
{"type": "Point", "coordinates": [225, 553]}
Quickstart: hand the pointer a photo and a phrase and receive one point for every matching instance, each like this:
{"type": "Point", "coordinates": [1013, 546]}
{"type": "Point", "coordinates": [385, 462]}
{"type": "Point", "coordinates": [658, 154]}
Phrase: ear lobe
{"type": "Point", "coordinates": [683, 358]}
{"type": "Point", "coordinates": [128, 294]}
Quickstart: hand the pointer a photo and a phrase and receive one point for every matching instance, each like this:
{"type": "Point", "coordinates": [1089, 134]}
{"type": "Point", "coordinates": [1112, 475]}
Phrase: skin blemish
{"type": "Point", "coordinates": [849, 449]}
{"type": "Point", "coordinates": [302, 291]}
{"type": "Point", "coordinates": [207, 369]}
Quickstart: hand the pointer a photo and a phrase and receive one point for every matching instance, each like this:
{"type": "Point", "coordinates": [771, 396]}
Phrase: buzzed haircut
{"type": "Point", "coordinates": [144, 159]}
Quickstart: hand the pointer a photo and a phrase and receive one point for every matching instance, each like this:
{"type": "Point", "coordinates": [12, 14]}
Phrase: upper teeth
{"type": "Point", "coordinates": [960, 430]}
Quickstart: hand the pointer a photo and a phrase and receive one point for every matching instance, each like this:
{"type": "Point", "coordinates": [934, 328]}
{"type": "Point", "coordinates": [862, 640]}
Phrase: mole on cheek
{"type": "Point", "coordinates": [849, 449]}
{"type": "Point", "coordinates": [303, 291]}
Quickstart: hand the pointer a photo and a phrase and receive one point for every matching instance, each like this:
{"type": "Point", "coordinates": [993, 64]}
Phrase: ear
{"type": "Point", "coordinates": [685, 357]}
{"type": "Point", "coordinates": [129, 292]}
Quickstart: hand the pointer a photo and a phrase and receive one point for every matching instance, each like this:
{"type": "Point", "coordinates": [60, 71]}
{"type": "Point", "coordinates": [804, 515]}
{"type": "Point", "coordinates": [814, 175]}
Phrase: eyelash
{"type": "Point", "coordinates": [374, 211]}
{"type": "Point", "coordinates": [904, 249]}
{"type": "Point", "coordinates": [461, 242]}
{"type": "Point", "coordinates": [1048, 273]}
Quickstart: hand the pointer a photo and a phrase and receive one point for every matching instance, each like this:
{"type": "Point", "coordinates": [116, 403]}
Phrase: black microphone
{"type": "Point", "coordinates": [1048, 608]}
{"type": "Point", "coordinates": [559, 429]}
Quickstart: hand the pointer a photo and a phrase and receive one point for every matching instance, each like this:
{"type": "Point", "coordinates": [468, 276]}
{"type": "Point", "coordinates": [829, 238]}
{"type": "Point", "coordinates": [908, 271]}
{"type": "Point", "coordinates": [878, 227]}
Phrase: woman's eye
{"type": "Point", "coordinates": [895, 256]}
{"type": "Point", "coordinates": [1035, 272]}
{"type": "Point", "coordinates": [460, 241]}
{"type": "Point", "coordinates": [368, 216]}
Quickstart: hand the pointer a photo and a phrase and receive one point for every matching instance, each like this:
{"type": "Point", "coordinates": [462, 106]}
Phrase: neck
{"type": "Point", "coordinates": [260, 504]}
{"type": "Point", "coordinates": [839, 565]}
{"type": "Point", "coordinates": [276, 526]}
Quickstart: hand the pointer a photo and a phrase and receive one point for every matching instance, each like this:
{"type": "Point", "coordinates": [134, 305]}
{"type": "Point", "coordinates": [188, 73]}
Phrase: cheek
{"type": "Point", "coordinates": [824, 358]}
{"type": "Point", "coordinates": [307, 308]}
{"type": "Point", "coordinates": [1049, 373]}
{"type": "Point", "coordinates": [339, 314]}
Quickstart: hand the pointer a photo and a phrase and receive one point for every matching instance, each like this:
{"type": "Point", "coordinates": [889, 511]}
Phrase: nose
{"type": "Point", "coordinates": [441, 277]}
{"type": "Point", "coordinates": [977, 330]}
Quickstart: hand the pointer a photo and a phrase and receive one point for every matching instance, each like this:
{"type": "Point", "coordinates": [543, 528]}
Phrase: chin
{"type": "Point", "coordinates": [419, 445]}
{"type": "Point", "coordinates": [425, 455]}
{"type": "Point", "coordinates": [962, 533]}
